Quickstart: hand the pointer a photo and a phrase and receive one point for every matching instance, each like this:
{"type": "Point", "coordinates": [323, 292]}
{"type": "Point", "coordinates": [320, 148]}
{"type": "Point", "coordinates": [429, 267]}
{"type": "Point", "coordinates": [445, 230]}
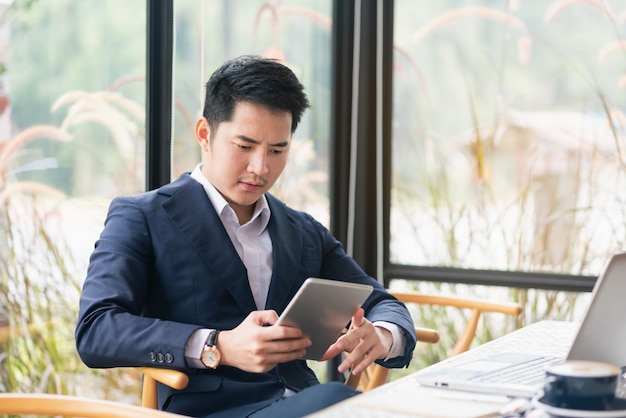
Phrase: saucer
{"type": "Point", "coordinates": [618, 411]}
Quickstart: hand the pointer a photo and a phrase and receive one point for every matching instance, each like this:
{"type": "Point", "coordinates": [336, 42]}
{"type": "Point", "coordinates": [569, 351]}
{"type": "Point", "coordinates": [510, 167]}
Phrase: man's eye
{"type": "Point", "coordinates": [277, 151]}
{"type": "Point", "coordinates": [241, 146]}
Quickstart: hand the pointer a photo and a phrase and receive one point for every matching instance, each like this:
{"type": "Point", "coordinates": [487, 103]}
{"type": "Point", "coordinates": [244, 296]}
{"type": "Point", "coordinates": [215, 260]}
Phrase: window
{"type": "Point", "coordinates": [509, 135]}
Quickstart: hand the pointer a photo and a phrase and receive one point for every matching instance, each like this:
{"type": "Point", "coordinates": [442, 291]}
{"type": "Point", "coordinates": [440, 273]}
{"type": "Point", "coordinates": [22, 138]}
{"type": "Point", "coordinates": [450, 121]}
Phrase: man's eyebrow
{"type": "Point", "coordinates": [249, 140]}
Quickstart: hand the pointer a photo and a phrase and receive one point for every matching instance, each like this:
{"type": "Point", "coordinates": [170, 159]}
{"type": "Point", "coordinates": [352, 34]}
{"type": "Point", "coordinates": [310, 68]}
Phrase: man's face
{"type": "Point", "coordinates": [246, 155]}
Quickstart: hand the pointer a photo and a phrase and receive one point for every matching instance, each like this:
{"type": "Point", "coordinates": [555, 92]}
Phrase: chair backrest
{"type": "Point", "coordinates": [72, 406]}
{"type": "Point", "coordinates": [377, 375]}
{"type": "Point", "coordinates": [477, 307]}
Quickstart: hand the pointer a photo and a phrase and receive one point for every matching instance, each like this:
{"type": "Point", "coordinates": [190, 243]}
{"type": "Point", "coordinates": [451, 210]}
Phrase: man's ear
{"type": "Point", "coordinates": [203, 133]}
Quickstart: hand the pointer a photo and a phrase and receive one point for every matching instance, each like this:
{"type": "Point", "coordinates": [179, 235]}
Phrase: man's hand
{"type": "Point", "coordinates": [255, 347]}
{"type": "Point", "coordinates": [365, 343]}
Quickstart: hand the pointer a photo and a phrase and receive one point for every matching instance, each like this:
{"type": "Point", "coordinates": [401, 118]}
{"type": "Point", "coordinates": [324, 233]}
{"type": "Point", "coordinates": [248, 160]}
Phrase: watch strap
{"type": "Point", "coordinates": [211, 339]}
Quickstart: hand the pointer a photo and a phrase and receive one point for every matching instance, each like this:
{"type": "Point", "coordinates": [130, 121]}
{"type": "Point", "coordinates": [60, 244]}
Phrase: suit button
{"type": "Point", "coordinates": [160, 358]}
{"type": "Point", "coordinates": [152, 356]}
{"type": "Point", "coordinates": [169, 358]}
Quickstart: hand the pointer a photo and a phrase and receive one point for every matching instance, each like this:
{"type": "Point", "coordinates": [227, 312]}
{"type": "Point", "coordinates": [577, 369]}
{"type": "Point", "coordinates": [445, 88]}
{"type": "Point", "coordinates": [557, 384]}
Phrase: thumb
{"type": "Point", "coordinates": [358, 319]}
{"type": "Point", "coordinates": [268, 317]}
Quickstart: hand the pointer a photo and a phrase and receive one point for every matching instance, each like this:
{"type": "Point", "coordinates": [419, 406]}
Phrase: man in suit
{"type": "Point", "coordinates": [190, 275]}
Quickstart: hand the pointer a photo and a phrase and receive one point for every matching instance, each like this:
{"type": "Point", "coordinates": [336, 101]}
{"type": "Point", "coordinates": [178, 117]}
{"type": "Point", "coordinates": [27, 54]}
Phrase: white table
{"type": "Point", "coordinates": [405, 397]}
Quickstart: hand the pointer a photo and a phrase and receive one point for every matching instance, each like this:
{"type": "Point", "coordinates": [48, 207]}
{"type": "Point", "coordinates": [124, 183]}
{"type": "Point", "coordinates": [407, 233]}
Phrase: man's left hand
{"type": "Point", "coordinates": [365, 343]}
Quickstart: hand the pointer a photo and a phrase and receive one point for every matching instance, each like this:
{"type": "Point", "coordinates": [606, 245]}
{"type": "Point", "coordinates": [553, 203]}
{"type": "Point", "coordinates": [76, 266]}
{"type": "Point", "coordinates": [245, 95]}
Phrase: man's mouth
{"type": "Point", "coordinates": [255, 181]}
{"type": "Point", "coordinates": [252, 184]}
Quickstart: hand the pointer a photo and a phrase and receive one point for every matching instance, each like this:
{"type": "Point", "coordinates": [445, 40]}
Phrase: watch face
{"type": "Point", "coordinates": [210, 357]}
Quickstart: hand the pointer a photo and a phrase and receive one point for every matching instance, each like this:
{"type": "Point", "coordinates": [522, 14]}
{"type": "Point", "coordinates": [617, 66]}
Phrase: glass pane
{"type": "Point", "coordinates": [72, 93]}
{"type": "Point", "coordinates": [509, 142]}
{"type": "Point", "coordinates": [299, 33]}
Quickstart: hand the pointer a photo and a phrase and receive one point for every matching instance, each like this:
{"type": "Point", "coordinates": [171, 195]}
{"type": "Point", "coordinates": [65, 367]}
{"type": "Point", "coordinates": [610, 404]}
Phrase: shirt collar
{"type": "Point", "coordinates": [220, 204]}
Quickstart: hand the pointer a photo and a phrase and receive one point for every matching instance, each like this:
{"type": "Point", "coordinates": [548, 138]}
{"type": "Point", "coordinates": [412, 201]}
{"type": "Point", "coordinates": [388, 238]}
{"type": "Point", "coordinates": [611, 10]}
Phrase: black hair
{"type": "Point", "coordinates": [254, 79]}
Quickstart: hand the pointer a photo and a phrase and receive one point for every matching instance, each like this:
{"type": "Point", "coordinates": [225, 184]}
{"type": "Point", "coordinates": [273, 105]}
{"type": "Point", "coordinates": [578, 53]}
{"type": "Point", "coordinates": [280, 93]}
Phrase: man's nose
{"type": "Point", "coordinates": [258, 163]}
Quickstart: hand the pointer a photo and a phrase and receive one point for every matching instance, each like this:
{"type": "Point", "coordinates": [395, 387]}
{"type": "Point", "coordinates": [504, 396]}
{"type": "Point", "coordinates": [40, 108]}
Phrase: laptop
{"type": "Point", "coordinates": [601, 336]}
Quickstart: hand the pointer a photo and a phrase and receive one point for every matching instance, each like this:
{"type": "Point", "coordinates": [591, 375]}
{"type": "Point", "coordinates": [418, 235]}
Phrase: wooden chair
{"type": "Point", "coordinates": [477, 307]}
{"type": "Point", "coordinates": [375, 375]}
{"type": "Point", "coordinates": [72, 406]}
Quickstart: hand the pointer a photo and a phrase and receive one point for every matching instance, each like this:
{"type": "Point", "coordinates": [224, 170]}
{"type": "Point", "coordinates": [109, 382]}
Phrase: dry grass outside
{"type": "Point", "coordinates": [41, 229]}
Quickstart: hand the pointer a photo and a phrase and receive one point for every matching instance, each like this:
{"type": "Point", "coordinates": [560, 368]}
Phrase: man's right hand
{"type": "Point", "coordinates": [255, 347]}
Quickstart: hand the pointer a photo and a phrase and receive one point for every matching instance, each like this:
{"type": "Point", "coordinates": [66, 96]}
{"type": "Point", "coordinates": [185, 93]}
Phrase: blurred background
{"type": "Point", "coordinates": [465, 147]}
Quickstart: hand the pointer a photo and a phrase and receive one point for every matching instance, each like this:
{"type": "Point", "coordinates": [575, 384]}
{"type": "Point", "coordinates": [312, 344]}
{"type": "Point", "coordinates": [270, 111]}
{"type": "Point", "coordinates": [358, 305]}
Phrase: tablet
{"type": "Point", "coordinates": [321, 309]}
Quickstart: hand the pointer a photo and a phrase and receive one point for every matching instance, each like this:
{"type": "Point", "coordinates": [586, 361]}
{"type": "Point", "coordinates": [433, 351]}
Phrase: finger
{"type": "Point", "coordinates": [356, 362]}
{"type": "Point", "coordinates": [287, 346]}
{"type": "Point", "coordinates": [283, 357]}
{"type": "Point", "coordinates": [283, 332]}
{"type": "Point", "coordinates": [364, 352]}
{"type": "Point", "coordinates": [358, 319]}
{"type": "Point", "coordinates": [346, 342]}
{"type": "Point", "coordinates": [333, 351]}
{"type": "Point", "coordinates": [363, 364]}
{"type": "Point", "coordinates": [268, 317]}
{"type": "Point", "coordinates": [358, 350]}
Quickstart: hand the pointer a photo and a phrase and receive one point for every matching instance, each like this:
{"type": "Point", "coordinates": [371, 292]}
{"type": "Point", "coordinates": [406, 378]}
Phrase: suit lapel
{"type": "Point", "coordinates": [191, 210]}
{"type": "Point", "coordinates": [286, 249]}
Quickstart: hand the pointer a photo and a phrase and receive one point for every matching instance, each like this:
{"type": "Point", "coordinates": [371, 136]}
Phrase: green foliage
{"type": "Point", "coordinates": [61, 44]}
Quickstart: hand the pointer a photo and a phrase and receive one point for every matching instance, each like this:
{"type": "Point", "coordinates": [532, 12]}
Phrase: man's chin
{"type": "Point", "coordinates": [248, 199]}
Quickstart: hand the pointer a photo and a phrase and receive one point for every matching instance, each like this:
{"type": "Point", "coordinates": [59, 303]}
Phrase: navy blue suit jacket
{"type": "Point", "coordinates": [164, 266]}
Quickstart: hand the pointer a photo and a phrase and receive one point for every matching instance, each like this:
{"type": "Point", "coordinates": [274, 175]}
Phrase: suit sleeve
{"type": "Point", "coordinates": [111, 331]}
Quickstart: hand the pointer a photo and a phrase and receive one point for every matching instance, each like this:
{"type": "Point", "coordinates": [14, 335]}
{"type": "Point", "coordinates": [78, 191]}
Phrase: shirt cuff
{"type": "Point", "coordinates": [194, 347]}
{"type": "Point", "coordinates": [397, 339]}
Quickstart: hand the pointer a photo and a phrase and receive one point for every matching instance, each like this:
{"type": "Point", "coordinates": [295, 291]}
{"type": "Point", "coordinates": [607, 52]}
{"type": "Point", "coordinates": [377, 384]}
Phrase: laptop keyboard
{"type": "Point", "coordinates": [531, 373]}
